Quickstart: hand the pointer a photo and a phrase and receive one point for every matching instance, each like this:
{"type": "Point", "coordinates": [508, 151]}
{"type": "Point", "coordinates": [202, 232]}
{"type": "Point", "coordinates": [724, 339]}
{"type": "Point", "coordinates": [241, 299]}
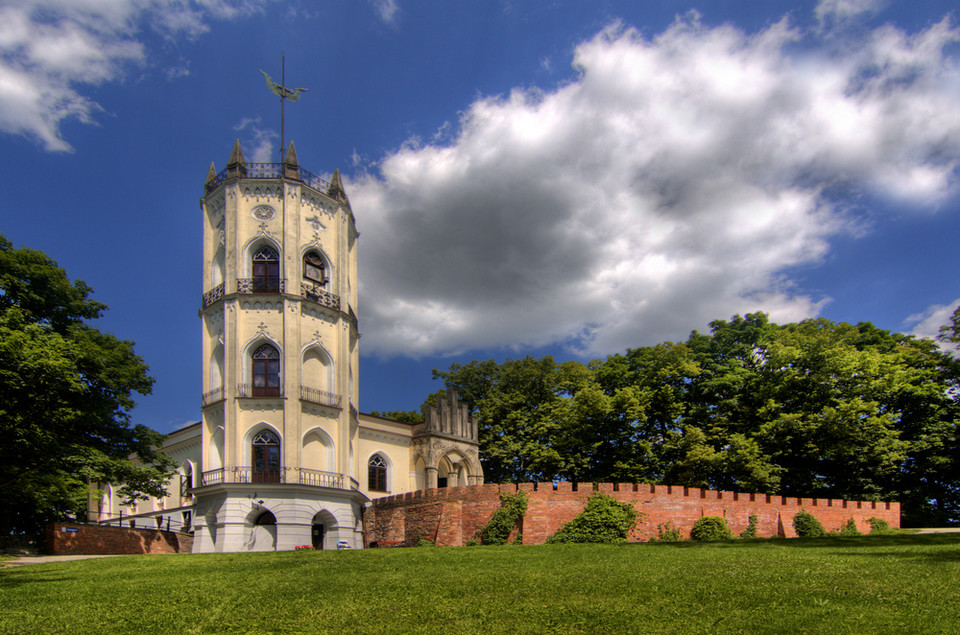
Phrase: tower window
{"type": "Point", "coordinates": [266, 457]}
{"type": "Point", "coordinates": [377, 474]}
{"type": "Point", "coordinates": [266, 372]}
{"type": "Point", "coordinates": [266, 270]}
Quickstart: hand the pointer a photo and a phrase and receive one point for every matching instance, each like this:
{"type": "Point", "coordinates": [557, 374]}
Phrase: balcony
{"type": "Point", "coordinates": [250, 391]}
{"type": "Point", "coordinates": [318, 294]}
{"type": "Point", "coordinates": [272, 171]}
{"type": "Point", "coordinates": [260, 285]}
{"type": "Point", "coordinates": [212, 295]}
{"type": "Point", "coordinates": [284, 475]}
{"type": "Point", "coordinates": [322, 397]}
{"type": "Point", "coordinates": [213, 396]}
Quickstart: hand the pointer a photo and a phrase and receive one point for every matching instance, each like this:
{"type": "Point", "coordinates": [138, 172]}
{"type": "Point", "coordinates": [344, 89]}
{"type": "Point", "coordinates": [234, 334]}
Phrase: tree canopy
{"type": "Point", "coordinates": [815, 408]}
{"type": "Point", "coordinates": [65, 399]}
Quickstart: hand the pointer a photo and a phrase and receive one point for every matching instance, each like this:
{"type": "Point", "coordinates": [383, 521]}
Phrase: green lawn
{"type": "Point", "coordinates": [884, 584]}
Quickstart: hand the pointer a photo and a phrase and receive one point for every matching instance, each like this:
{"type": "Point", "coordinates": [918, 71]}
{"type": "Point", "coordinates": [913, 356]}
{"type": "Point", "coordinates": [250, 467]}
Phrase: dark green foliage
{"type": "Point", "coordinates": [710, 529]}
{"type": "Point", "coordinates": [812, 409]}
{"type": "Point", "coordinates": [667, 533]}
{"type": "Point", "coordinates": [603, 519]}
{"type": "Point", "coordinates": [751, 530]}
{"type": "Point", "coordinates": [404, 416]}
{"type": "Point", "coordinates": [879, 526]}
{"type": "Point", "coordinates": [508, 515]}
{"type": "Point", "coordinates": [850, 528]}
{"type": "Point", "coordinates": [807, 526]}
{"type": "Point", "coordinates": [65, 397]}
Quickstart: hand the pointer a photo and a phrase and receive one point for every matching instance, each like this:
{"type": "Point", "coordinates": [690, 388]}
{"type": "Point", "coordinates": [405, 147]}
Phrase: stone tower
{"type": "Point", "coordinates": [280, 357]}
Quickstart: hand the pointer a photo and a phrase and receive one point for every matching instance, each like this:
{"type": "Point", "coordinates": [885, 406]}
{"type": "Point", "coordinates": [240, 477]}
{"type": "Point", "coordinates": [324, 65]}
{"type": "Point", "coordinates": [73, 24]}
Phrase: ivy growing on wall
{"type": "Point", "coordinates": [508, 515]}
{"type": "Point", "coordinates": [603, 519]}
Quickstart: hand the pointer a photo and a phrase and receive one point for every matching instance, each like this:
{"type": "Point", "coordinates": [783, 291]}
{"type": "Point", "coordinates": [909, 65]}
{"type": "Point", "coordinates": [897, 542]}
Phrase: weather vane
{"type": "Point", "coordinates": [293, 94]}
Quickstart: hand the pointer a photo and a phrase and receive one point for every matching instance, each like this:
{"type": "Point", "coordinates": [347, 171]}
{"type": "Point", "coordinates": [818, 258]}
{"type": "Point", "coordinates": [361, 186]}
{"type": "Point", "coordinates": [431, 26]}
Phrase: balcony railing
{"type": "Point", "coordinates": [249, 390]}
{"type": "Point", "coordinates": [274, 171]}
{"type": "Point", "coordinates": [318, 294]}
{"type": "Point", "coordinates": [213, 396]}
{"type": "Point", "coordinates": [212, 295]}
{"type": "Point", "coordinates": [260, 285]}
{"type": "Point", "coordinates": [286, 475]}
{"type": "Point", "coordinates": [314, 395]}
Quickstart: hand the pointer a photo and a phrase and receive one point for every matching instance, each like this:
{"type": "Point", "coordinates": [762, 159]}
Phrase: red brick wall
{"type": "Point", "coordinates": [452, 516]}
{"type": "Point", "coordinates": [97, 539]}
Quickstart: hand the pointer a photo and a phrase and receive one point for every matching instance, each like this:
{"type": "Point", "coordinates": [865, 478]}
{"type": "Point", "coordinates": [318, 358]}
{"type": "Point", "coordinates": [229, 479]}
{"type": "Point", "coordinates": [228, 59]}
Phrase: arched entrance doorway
{"type": "Point", "coordinates": [323, 531]}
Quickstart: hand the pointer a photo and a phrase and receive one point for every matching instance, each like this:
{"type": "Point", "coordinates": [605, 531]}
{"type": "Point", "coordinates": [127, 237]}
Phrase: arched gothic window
{"type": "Point", "coordinates": [265, 450]}
{"type": "Point", "coordinates": [266, 372]}
{"type": "Point", "coordinates": [266, 270]}
{"type": "Point", "coordinates": [377, 474]}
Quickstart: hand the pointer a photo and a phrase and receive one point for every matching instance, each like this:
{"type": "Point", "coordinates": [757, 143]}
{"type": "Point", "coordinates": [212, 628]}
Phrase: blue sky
{"type": "Point", "coordinates": [571, 178]}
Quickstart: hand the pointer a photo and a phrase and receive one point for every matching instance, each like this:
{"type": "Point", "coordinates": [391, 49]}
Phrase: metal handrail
{"type": "Point", "coordinates": [213, 396]}
{"type": "Point", "coordinates": [274, 171]}
{"type": "Point", "coordinates": [287, 475]}
{"type": "Point", "coordinates": [249, 390]}
{"type": "Point", "coordinates": [260, 285]}
{"type": "Point", "coordinates": [212, 295]}
{"type": "Point", "coordinates": [322, 397]}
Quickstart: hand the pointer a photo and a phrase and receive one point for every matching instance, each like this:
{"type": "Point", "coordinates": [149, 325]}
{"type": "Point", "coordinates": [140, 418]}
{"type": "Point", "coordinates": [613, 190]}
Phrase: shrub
{"type": "Point", "coordinates": [807, 526]}
{"type": "Point", "coordinates": [710, 529]}
{"type": "Point", "coordinates": [751, 530]}
{"type": "Point", "coordinates": [850, 528]}
{"type": "Point", "coordinates": [666, 533]}
{"type": "Point", "coordinates": [423, 542]}
{"type": "Point", "coordinates": [508, 515]}
{"type": "Point", "coordinates": [879, 526]}
{"type": "Point", "coordinates": [603, 519]}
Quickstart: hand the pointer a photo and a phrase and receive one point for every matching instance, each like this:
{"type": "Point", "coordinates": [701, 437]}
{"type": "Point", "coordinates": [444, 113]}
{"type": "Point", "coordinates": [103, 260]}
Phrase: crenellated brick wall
{"type": "Point", "coordinates": [65, 539]}
{"type": "Point", "coordinates": [452, 516]}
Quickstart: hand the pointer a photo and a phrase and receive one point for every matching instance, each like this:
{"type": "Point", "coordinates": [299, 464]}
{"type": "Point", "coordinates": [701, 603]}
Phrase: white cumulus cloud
{"type": "Point", "coordinates": [52, 50]}
{"type": "Point", "coordinates": [927, 323]}
{"type": "Point", "coordinates": [670, 183]}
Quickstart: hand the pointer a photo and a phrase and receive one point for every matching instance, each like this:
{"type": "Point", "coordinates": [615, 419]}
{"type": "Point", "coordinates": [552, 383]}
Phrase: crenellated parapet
{"type": "Point", "coordinates": [454, 515]}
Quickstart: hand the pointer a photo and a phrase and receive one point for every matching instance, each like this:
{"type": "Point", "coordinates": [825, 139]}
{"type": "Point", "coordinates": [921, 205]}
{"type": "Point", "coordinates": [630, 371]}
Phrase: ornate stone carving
{"type": "Point", "coordinates": [263, 213]}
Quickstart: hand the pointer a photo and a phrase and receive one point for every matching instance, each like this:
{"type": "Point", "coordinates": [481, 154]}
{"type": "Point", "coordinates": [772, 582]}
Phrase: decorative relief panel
{"type": "Point", "coordinates": [317, 314]}
{"type": "Point", "coordinates": [315, 203]}
{"type": "Point", "coordinates": [261, 192]}
{"type": "Point", "coordinates": [247, 305]}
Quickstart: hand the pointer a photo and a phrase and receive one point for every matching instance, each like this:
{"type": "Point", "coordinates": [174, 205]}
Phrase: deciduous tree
{"type": "Point", "coordinates": [65, 399]}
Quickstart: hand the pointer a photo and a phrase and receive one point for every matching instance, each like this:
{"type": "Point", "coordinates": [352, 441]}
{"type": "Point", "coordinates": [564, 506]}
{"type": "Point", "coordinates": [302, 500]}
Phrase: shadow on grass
{"type": "Point", "coordinates": [868, 541]}
{"type": "Point", "coordinates": [8, 581]}
{"type": "Point", "coordinates": [872, 545]}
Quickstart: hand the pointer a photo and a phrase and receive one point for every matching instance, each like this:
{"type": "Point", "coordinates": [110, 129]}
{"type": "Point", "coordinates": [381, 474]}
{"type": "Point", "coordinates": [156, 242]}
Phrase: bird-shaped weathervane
{"type": "Point", "coordinates": [284, 93]}
{"type": "Point", "coordinates": [293, 94]}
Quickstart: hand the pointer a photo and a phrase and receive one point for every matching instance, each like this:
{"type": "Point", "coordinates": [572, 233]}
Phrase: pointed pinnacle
{"type": "Point", "coordinates": [236, 157]}
{"type": "Point", "coordinates": [336, 188]}
{"type": "Point", "coordinates": [211, 174]}
{"type": "Point", "coordinates": [291, 157]}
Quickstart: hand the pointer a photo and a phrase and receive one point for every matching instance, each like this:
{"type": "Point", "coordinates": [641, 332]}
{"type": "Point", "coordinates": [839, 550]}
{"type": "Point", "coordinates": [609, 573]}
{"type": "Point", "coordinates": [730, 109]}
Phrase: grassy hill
{"type": "Point", "coordinates": [882, 584]}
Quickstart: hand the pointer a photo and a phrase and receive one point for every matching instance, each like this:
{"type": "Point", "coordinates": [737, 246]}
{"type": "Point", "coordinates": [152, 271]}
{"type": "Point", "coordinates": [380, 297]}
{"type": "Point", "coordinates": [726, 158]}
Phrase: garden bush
{"type": "Point", "coordinates": [603, 519]}
{"type": "Point", "coordinates": [879, 526]}
{"type": "Point", "coordinates": [751, 530]}
{"type": "Point", "coordinates": [711, 529]}
{"type": "Point", "coordinates": [850, 528]}
{"type": "Point", "coordinates": [807, 526]}
{"type": "Point", "coordinates": [508, 515]}
{"type": "Point", "coordinates": [667, 533]}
